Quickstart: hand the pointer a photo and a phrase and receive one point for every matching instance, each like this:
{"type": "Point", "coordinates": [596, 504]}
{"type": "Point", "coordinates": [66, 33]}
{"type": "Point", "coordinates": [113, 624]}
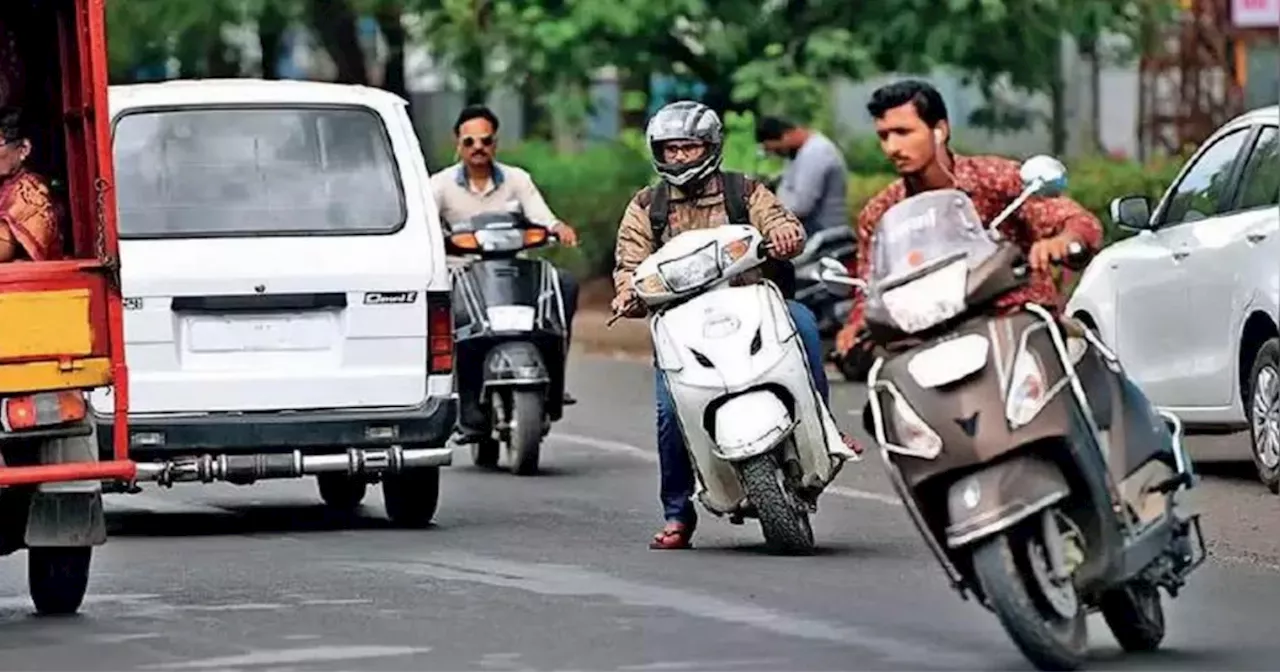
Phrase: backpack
{"type": "Point", "coordinates": [781, 273]}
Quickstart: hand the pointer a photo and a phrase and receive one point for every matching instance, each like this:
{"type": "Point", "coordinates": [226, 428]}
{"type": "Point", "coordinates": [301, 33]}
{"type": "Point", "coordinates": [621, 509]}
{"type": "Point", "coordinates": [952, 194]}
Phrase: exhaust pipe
{"type": "Point", "coordinates": [246, 469]}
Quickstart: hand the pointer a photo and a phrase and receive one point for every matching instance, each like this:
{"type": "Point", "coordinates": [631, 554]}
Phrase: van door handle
{"type": "Point", "coordinates": [1256, 237]}
{"type": "Point", "coordinates": [1181, 254]}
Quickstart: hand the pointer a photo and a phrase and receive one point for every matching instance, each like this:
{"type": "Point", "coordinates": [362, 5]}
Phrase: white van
{"type": "Point", "coordinates": [287, 304]}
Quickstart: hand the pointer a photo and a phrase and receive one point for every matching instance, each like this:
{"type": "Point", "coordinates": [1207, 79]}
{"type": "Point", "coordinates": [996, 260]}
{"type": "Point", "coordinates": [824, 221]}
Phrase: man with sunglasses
{"type": "Point", "coordinates": [478, 183]}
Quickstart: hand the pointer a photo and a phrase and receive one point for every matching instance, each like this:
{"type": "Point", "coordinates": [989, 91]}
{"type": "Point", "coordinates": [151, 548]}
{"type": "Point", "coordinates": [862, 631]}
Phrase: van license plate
{"type": "Point", "coordinates": [240, 334]}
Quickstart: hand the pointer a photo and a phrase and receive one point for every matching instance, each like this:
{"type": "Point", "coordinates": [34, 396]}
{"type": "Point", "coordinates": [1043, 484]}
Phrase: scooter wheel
{"type": "Point", "coordinates": [785, 526]}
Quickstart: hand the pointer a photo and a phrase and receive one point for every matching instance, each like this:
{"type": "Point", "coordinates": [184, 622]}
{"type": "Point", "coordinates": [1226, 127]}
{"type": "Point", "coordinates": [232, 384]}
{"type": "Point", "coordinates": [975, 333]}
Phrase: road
{"type": "Point", "coordinates": [552, 572]}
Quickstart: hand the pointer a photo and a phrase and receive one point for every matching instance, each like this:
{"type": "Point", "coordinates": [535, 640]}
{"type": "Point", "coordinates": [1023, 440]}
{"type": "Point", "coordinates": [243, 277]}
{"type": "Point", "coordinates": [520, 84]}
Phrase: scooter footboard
{"type": "Point", "coordinates": [1001, 495]}
{"type": "Point", "coordinates": [750, 424]}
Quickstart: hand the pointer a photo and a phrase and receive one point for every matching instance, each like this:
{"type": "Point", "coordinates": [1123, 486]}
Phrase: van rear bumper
{"type": "Point", "coordinates": [428, 425]}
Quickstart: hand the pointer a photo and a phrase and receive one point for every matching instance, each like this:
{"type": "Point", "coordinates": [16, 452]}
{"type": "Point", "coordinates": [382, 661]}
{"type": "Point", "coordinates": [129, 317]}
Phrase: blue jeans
{"type": "Point", "coordinates": [676, 471]}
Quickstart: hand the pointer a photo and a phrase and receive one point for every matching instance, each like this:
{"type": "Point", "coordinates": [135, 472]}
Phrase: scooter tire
{"type": "Point", "coordinates": [341, 492]}
{"type": "Point", "coordinates": [525, 443]}
{"type": "Point", "coordinates": [485, 452]}
{"type": "Point", "coordinates": [786, 527]}
{"type": "Point", "coordinates": [58, 578]}
{"type": "Point", "coordinates": [1046, 639]}
{"type": "Point", "coordinates": [1135, 616]}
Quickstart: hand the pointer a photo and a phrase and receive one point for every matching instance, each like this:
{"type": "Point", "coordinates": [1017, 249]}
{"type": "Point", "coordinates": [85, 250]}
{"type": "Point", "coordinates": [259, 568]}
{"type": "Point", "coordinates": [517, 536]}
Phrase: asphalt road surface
{"type": "Point", "coordinates": [553, 573]}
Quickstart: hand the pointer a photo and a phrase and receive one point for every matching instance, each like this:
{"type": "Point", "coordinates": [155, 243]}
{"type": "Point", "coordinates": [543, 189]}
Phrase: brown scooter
{"type": "Point", "coordinates": [1040, 478]}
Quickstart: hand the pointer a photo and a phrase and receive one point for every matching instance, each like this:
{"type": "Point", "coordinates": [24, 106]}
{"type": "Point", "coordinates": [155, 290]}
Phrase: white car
{"type": "Point", "coordinates": [287, 302]}
{"type": "Point", "coordinates": [1191, 303]}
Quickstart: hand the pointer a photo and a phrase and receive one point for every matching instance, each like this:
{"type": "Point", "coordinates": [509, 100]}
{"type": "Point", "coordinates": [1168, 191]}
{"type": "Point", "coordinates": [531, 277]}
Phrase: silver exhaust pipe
{"type": "Point", "coordinates": [246, 469]}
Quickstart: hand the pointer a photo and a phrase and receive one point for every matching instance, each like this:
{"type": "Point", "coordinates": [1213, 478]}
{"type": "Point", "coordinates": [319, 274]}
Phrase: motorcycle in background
{"type": "Point", "coordinates": [510, 338]}
{"type": "Point", "coordinates": [762, 441]}
{"type": "Point", "coordinates": [1038, 475]}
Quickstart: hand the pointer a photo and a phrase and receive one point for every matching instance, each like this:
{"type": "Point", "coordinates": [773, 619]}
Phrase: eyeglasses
{"type": "Point", "coordinates": [470, 141]}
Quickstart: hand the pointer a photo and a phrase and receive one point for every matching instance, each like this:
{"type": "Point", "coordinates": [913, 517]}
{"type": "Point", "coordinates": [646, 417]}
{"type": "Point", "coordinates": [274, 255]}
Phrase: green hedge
{"type": "Point", "coordinates": [590, 189]}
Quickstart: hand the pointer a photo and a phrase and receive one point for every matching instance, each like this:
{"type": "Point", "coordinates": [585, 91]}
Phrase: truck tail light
{"type": "Point", "coordinates": [41, 410]}
{"type": "Point", "coordinates": [439, 333]}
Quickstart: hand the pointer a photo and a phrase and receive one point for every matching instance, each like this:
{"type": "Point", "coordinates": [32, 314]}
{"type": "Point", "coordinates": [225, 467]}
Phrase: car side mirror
{"type": "Point", "coordinates": [1131, 212]}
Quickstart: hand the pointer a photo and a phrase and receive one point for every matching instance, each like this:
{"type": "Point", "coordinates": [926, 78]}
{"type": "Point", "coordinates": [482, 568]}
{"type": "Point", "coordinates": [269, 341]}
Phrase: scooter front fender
{"type": "Point", "coordinates": [1001, 495]}
{"type": "Point", "coordinates": [751, 424]}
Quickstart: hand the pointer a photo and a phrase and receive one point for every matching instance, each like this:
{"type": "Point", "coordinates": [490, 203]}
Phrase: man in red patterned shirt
{"type": "Point", "coordinates": [911, 121]}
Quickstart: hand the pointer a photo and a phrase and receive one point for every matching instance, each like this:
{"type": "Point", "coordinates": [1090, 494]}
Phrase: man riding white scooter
{"type": "Point", "coordinates": [686, 142]}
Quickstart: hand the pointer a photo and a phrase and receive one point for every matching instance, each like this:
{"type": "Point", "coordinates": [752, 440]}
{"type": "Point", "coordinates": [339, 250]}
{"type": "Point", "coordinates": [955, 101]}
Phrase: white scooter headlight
{"type": "Point", "coordinates": [692, 270]}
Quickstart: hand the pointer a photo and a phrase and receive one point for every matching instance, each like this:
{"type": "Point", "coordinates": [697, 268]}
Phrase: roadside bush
{"type": "Point", "coordinates": [591, 189]}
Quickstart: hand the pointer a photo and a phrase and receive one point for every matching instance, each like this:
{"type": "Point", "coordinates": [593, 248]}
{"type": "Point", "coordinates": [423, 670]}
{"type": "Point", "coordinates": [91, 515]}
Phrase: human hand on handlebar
{"type": "Point", "coordinates": [785, 242]}
{"type": "Point", "coordinates": [1045, 253]}
{"type": "Point", "coordinates": [627, 304]}
{"type": "Point", "coordinates": [567, 235]}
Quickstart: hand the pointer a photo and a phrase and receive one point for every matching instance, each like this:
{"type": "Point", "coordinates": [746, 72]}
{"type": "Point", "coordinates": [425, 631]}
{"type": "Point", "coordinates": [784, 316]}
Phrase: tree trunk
{"type": "Point", "coordinates": [1058, 98]}
{"type": "Point", "coordinates": [335, 25]}
{"type": "Point", "coordinates": [272, 24]}
{"type": "Point", "coordinates": [635, 81]}
{"type": "Point", "coordinates": [389, 16]}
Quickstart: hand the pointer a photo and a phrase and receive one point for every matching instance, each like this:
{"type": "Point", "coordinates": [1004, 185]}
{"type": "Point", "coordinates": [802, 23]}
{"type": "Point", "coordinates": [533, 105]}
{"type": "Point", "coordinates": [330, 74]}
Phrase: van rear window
{"type": "Point", "coordinates": [231, 172]}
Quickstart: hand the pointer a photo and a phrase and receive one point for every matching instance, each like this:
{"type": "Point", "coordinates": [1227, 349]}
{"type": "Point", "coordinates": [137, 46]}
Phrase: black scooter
{"type": "Point", "coordinates": [510, 339]}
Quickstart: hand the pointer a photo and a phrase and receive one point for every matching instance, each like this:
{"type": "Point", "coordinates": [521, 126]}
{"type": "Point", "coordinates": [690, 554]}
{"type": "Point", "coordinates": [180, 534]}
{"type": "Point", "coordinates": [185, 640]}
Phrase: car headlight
{"type": "Point", "coordinates": [692, 270]}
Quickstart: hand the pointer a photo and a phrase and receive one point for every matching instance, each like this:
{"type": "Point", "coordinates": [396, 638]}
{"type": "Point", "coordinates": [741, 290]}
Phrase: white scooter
{"type": "Point", "coordinates": [762, 441]}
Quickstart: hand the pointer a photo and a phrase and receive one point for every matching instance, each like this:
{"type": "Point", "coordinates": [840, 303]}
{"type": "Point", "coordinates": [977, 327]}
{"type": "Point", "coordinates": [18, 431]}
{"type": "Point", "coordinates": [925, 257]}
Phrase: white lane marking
{"type": "Point", "coordinates": [621, 448]}
{"type": "Point", "coordinates": [318, 654]}
{"type": "Point", "coordinates": [892, 650]}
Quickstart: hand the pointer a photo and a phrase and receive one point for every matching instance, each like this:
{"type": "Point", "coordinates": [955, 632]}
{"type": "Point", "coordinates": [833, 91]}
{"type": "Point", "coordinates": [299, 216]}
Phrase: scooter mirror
{"type": "Point", "coordinates": [833, 266]}
{"type": "Point", "coordinates": [833, 278]}
{"type": "Point", "coordinates": [1043, 175]}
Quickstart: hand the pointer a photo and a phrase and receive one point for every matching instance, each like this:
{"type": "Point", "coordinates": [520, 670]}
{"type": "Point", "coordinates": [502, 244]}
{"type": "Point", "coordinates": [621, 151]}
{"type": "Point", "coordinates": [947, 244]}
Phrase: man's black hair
{"type": "Point", "coordinates": [11, 124]}
{"type": "Point", "coordinates": [925, 98]}
{"type": "Point", "coordinates": [771, 128]}
{"type": "Point", "coordinates": [475, 112]}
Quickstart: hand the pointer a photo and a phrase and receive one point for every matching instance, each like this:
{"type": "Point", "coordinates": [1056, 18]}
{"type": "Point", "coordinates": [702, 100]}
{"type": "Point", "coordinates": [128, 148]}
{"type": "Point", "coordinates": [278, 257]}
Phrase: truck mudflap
{"type": "Point", "coordinates": [63, 512]}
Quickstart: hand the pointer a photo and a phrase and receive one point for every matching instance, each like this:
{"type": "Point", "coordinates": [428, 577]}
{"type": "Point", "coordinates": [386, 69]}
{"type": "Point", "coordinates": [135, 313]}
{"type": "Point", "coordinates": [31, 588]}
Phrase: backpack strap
{"type": "Point", "coordinates": [735, 198]}
{"type": "Point", "coordinates": [659, 212]}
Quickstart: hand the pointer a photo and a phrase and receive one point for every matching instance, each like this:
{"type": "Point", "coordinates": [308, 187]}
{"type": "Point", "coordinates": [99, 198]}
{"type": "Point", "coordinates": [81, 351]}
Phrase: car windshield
{"type": "Point", "coordinates": [924, 230]}
{"type": "Point", "coordinates": [201, 172]}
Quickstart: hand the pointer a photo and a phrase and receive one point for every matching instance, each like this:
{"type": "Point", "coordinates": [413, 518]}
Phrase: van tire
{"type": "Point", "coordinates": [58, 577]}
{"type": "Point", "coordinates": [412, 497]}
{"type": "Point", "coordinates": [341, 492]}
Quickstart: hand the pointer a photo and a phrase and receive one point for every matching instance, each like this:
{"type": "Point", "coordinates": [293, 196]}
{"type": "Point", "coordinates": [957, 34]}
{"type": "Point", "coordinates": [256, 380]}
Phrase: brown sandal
{"type": "Point", "coordinates": [675, 536]}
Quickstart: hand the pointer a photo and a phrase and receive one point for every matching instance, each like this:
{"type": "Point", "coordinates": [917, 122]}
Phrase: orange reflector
{"type": "Point", "coordinates": [46, 409]}
{"type": "Point", "coordinates": [535, 236]}
{"type": "Point", "coordinates": [465, 241]}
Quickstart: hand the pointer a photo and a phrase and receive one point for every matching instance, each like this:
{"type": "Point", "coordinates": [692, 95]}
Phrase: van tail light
{"type": "Point", "coordinates": [46, 409]}
{"type": "Point", "coordinates": [439, 333]}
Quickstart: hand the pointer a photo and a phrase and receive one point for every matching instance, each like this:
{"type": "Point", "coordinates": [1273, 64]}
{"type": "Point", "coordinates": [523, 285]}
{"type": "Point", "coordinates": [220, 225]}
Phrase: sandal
{"type": "Point", "coordinates": [675, 536]}
{"type": "Point", "coordinates": [851, 444]}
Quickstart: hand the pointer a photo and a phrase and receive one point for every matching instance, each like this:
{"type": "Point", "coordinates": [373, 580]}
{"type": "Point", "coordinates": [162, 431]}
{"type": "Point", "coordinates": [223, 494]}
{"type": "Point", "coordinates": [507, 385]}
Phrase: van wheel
{"type": "Point", "coordinates": [525, 442]}
{"type": "Point", "coordinates": [1262, 402]}
{"type": "Point", "coordinates": [58, 578]}
{"type": "Point", "coordinates": [411, 497]}
{"type": "Point", "coordinates": [341, 492]}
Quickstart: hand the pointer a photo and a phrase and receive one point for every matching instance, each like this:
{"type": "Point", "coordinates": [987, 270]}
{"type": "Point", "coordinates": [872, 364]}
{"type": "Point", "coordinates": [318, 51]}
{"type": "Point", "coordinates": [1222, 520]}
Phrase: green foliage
{"type": "Point", "coordinates": [591, 189]}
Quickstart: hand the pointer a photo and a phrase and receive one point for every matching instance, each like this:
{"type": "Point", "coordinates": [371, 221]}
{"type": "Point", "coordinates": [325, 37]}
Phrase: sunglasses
{"type": "Point", "coordinates": [470, 141]}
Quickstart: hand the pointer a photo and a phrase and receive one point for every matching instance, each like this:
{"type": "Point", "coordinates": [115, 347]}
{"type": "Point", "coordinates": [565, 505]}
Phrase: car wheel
{"type": "Point", "coordinates": [1262, 402]}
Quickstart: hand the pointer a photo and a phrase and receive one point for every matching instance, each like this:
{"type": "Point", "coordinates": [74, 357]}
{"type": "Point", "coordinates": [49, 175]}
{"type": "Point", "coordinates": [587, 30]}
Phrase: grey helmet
{"type": "Point", "coordinates": [686, 120]}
